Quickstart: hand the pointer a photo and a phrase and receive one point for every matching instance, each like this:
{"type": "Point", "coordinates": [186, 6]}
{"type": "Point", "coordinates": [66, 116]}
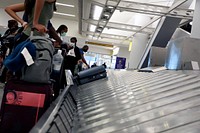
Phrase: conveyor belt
{"type": "Point", "coordinates": [128, 102]}
{"type": "Point", "coordinates": [139, 102]}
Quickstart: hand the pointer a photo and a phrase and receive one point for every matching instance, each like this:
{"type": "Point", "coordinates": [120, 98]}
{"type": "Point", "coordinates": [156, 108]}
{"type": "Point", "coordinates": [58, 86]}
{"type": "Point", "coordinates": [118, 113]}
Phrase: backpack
{"type": "Point", "coordinates": [40, 70]}
{"type": "Point", "coordinates": [77, 53]}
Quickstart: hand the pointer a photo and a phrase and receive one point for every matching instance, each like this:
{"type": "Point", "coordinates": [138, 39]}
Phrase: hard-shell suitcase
{"type": "Point", "coordinates": [91, 74]}
{"type": "Point", "coordinates": [22, 105]}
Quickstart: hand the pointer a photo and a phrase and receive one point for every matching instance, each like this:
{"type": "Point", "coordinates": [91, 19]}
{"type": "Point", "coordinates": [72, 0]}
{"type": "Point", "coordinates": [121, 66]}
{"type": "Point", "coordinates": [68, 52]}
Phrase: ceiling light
{"type": "Point", "coordinates": [130, 46]}
{"type": "Point", "coordinates": [64, 14]}
{"type": "Point", "coordinates": [95, 38]}
{"type": "Point", "coordinates": [106, 28]}
{"type": "Point", "coordinates": [111, 7]}
{"type": "Point", "coordinates": [97, 12]}
{"type": "Point", "coordinates": [99, 28]}
{"type": "Point", "coordinates": [104, 20]}
{"type": "Point", "coordinates": [61, 4]}
{"type": "Point", "coordinates": [107, 14]}
{"type": "Point", "coordinates": [92, 28]}
{"type": "Point", "coordinates": [90, 36]}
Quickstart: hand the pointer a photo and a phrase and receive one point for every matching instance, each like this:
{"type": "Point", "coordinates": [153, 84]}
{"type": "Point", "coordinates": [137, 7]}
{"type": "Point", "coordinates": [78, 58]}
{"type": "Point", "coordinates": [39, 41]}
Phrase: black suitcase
{"type": "Point", "coordinates": [22, 105]}
{"type": "Point", "coordinates": [91, 74]}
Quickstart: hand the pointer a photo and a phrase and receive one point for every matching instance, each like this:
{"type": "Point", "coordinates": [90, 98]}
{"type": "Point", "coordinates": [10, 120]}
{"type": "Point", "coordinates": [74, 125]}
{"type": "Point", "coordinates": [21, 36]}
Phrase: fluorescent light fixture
{"type": "Point", "coordinates": [90, 36]}
{"type": "Point", "coordinates": [111, 7]}
{"type": "Point", "coordinates": [104, 20]}
{"type": "Point", "coordinates": [130, 46]}
{"type": "Point", "coordinates": [95, 38]}
{"type": "Point", "coordinates": [107, 14]}
{"type": "Point", "coordinates": [64, 14]}
{"type": "Point", "coordinates": [115, 51]}
{"type": "Point", "coordinates": [97, 12]}
{"type": "Point", "coordinates": [61, 4]}
{"type": "Point", "coordinates": [92, 28]}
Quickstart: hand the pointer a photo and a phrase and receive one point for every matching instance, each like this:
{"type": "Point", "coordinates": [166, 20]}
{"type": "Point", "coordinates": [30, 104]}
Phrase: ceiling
{"type": "Point", "coordinates": [119, 20]}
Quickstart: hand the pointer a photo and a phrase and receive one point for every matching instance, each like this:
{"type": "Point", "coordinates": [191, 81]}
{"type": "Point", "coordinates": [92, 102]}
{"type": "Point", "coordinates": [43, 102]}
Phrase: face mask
{"type": "Point", "coordinates": [63, 34]}
{"type": "Point", "coordinates": [14, 29]}
{"type": "Point", "coordinates": [72, 44]}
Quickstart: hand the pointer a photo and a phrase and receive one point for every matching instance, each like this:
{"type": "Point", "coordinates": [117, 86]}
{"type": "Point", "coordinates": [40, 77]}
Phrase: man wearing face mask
{"type": "Point", "coordinates": [79, 53]}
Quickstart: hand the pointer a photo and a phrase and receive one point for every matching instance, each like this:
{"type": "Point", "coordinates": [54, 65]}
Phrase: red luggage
{"type": "Point", "coordinates": [22, 105]}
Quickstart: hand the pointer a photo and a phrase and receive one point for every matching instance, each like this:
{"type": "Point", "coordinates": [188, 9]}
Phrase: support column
{"type": "Point", "coordinates": [138, 48]}
{"type": "Point", "coordinates": [195, 33]}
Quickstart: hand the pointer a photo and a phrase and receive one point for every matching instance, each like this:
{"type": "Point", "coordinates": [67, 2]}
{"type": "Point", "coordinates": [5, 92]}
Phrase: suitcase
{"type": "Point", "coordinates": [22, 105]}
{"type": "Point", "coordinates": [91, 74]}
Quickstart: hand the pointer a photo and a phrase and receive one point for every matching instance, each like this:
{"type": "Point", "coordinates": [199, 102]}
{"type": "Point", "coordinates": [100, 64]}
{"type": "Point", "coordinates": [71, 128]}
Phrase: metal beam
{"type": "Point", "coordinates": [103, 35]}
{"type": "Point", "coordinates": [120, 26]}
{"type": "Point", "coordinates": [177, 4]}
{"type": "Point", "coordinates": [162, 28]}
{"type": "Point", "coordinates": [114, 3]}
{"type": "Point", "coordinates": [154, 9]}
{"type": "Point", "coordinates": [143, 8]}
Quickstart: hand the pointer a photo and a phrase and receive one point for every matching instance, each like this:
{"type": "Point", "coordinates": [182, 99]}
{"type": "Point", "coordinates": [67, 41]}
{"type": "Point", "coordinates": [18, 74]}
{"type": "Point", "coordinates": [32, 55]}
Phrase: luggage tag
{"type": "Point", "coordinates": [22, 98]}
{"type": "Point", "coordinates": [27, 56]}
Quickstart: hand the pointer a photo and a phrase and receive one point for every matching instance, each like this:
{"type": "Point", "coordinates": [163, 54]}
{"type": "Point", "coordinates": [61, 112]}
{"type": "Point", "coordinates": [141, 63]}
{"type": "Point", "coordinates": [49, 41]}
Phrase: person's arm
{"type": "Point", "coordinates": [12, 9]}
{"type": "Point", "coordinates": [83, 59]}
{"type": "Point", "coordinates": [54, 35]}
{"type": "Point", "coordinates": [38, 8]}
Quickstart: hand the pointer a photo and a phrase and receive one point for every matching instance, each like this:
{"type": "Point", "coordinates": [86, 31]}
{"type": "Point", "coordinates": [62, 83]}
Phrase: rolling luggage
{"type": "Point", "coordinates": [22, 105]}
{"type": "Point", "coordinates": [91, 74]}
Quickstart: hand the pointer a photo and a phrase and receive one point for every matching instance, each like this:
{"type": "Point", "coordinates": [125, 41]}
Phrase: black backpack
{"type": "Point", "coordinates": [77, 53]}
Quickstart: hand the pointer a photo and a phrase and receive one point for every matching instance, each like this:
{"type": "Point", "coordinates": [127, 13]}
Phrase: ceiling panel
{"type": "Point", "coordinates": [131, 14]}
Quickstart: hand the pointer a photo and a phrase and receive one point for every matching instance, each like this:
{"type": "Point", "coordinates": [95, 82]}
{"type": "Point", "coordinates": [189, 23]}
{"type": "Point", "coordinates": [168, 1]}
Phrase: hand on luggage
{"type": "Point", "coordinates": [40, 28]}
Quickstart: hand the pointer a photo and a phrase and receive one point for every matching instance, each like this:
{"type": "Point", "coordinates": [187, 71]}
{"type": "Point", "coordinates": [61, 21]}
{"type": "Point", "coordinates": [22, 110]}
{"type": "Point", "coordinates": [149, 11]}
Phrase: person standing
{"type": "Point", "coordinates": [104, 64]}
{"type": "Point", "coordinates": [39, 13]}
{"type": "Point", "coordinates": [37, 16]}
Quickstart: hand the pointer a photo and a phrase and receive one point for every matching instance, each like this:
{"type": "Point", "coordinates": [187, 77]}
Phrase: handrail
{"type": "Point", "coordinates": [47, 118]}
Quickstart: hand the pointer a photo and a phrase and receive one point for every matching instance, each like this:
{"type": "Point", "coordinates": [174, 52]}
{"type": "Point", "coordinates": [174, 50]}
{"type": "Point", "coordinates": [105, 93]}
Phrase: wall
{"type": "Point", "coordinates": [4, 17]}
{"type": "Point", "coordinates": [123, 52]}
{"type": "Point", "coordinates": [137, 50]}
{"type": "Point", "coordinates": [99, 50]}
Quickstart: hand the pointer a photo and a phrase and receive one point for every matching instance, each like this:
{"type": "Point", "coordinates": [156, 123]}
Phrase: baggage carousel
{"type": "Point", "coordinates": [134, 102]}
